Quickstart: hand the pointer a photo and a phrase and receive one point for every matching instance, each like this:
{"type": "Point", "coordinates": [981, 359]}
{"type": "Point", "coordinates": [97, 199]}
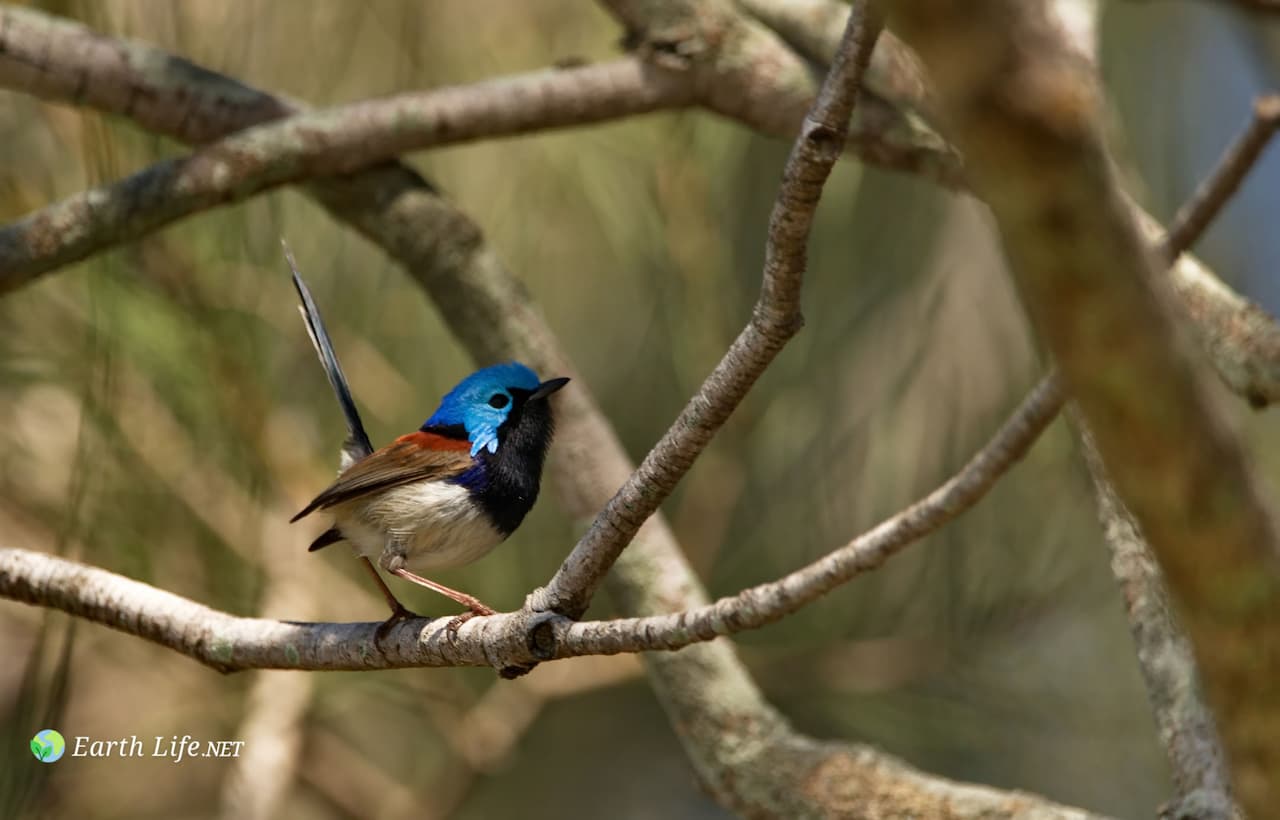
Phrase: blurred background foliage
{"type": "Point", "coordinates": [162, 415]}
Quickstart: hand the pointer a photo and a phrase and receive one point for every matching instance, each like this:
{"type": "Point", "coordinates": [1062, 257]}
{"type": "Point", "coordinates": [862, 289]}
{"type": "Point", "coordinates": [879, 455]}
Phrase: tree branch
{"type": "Point", "coordinates": [229, 643]}
{"type": "Point", "coordinates": [750, 77]}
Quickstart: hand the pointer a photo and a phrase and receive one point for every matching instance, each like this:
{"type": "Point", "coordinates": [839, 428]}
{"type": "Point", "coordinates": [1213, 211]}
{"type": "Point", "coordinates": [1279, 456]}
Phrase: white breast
{"type": "Point", "coordinates": [433, 524]}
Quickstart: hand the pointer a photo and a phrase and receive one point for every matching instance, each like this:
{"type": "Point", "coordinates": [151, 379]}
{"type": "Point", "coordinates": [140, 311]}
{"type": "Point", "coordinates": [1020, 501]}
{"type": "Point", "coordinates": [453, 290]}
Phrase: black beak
{"type": "Point", "coordinates": [547, 388]}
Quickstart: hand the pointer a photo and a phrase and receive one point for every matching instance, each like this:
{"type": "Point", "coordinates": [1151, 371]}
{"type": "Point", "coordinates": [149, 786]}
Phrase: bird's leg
{"type": "Point", "coordinates": [473, 605]}
{"type": "Point", "coordinates": [463, 598]}
{"type": "Point", "coordinates": [399, 612]}
{"type": "Point", "coordinates": [397, 608]}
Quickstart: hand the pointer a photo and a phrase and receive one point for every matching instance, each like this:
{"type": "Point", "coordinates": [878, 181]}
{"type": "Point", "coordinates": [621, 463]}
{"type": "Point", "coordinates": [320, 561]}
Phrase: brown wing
{"type": "Point", "coordinates": [407, 459]}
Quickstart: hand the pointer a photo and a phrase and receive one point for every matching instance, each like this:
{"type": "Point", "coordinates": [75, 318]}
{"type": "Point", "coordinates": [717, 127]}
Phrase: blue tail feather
{"type": "Point", "coordinates": [357, 445]}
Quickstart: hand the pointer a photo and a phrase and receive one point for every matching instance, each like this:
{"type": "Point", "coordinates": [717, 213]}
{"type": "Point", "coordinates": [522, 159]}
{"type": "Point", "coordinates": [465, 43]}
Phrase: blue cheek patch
{"type": "Point", "coordinates": [484, 440]}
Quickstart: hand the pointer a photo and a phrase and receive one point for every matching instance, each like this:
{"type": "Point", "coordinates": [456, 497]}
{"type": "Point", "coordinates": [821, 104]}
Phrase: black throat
{"type": "Point", "coordinates": [505, 483]}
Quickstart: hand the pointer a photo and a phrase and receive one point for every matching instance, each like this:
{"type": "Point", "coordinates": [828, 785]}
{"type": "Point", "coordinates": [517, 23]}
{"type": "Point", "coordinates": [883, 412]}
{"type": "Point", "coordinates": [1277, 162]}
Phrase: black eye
{"type": "Point", "coordinates": [499, 400]}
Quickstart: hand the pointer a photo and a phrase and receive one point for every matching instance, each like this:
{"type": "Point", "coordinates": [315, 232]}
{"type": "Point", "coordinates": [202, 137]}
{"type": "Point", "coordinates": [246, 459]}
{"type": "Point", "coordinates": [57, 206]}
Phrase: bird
{"type": "Point", "coordinates": [445, 494]}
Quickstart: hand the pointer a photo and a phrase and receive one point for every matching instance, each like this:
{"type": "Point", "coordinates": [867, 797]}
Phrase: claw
{"type": "Point", "coordinates": [398, 616]}
{"type": "Point", "coordinates": [457, 621]}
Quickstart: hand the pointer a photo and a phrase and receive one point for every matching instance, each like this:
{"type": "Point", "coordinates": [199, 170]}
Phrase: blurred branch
{"type": "Point", "coordinates": [1188, 731]}
{"type": "Point", "coordinates": [325, 143]}
{"type": "Point", "coordinates": [1201, 779]}
{"type": "Point", "coordinates": [745, 71]}
{"type": "Point", "coordinates": [775, 319]}
{"type": "Point", "coordinates": [1023, 107]}
{"type": "Point", "coordinates": [358, 788]}
{"type": "Point", "coordinates": [1241, 339]}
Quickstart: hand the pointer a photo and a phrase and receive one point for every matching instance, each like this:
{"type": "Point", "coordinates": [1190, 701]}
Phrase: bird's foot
{"type": "Point", "coordinates": [457, 621]}
{"type": "Point", "coordinates": [399, 614]}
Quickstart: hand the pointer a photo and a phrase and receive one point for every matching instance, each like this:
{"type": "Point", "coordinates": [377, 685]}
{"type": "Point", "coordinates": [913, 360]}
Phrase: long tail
{"type": "Point", "coordinates": [357, 444]}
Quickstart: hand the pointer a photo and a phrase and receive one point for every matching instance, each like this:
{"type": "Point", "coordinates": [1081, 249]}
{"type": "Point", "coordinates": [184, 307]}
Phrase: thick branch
{"type": "Point", "coordinates": [1023, 108]}
{"type": "Point", "coordinates": [744, 71]}
{"type": "Point", "coordinates": [61, 61]}
{"type": "Point", "coordinates": [812, 27]}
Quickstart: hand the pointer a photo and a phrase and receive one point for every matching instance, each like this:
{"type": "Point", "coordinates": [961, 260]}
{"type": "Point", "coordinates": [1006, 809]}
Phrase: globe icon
{"type": "Point", "coordinates": [48, 746]}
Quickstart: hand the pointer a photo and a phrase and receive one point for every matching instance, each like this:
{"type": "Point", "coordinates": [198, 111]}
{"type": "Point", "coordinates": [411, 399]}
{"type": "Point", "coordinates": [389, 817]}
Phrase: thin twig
{"type": "Point", "coordinates": [774, 321]}
{"type": "Point", "coordinates": [1241, 339]}
{"type": "Point", "coordinates": [766, 603]}
{"type": "Point", "coordinates": [1217, 189]}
